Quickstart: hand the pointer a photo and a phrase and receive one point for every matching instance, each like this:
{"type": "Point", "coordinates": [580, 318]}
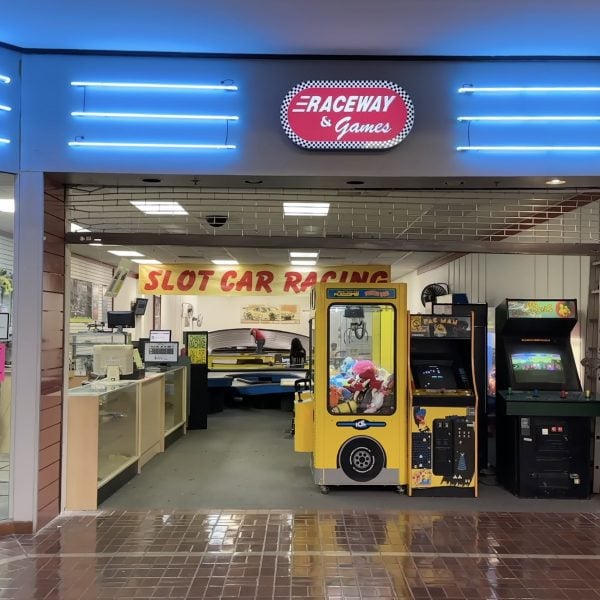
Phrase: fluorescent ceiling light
{"type": "Point", "coordinates": [6, 108]}
{"type": "Point", "coordinates": [146, 261]}
{"type": "Point", "coordinates": [166, 86]}
{"type": "Point", "coordinates": [4, 79]}
{"type": "Point", "coordinates": [159, 207]}
{"type": "Point", "coordinates": [554, 88]}
{"type": "Point", "coordinates": [303, 263]}
{"type": "Point", "coordinates": [223, 261]}
{"type": "Point", "coordinates": [305, 209]}
{"type": "Point", "coordinates": [4, 141]}
{"type": "Point", "coordinates": [125, 253]}
{"type": "Point", "coordinates": [7, 205]}
{"type": "Point", "coordinates": [75, 228]}
{"type": "Point", "coordinates": [122, 115]}
{"type": "Point", "coordinates": [304, 254]}
{"type": "Point", "coordinates": [152, 145]}
{"type": "Point", "coordinates": [95, 244]}
{"type": "Point", "coordinates": [555, 182]}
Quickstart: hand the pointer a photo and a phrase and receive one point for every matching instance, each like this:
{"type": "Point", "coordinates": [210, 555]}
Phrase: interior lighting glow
{"type": "Point", "coordinates": [555, 182]}
{"type": "Point", "coordinates": [75, 228]}
{"type": "Point", "coordinates": [549, 89]}
{"type": "Point", "coordinates": [158, 207]}
{"type": "Point", "coordinates": [225, 261]}
{"type": "Point", "coordinates": [303, 263]}
{"type": "Point", "coordinates": [304, 254]}
{"type": "Point", "coordinates": [152, 145]}
{"type": "Point", "coordinates": [166, 86]}
{"type": "Point", "coordinates": [306, 209]}
{"type": "Point", "coordinates": [125, 253]}
{"type": "Point", "coordinates": [5, 108]}
{"type": "Point", "coordinates": [532, 118]}
{"type": "Point", "coordinates": [146, 261]}
{"type": "Point", "coordinates": [530, 148]}
{"type": "Point", "coordinates": [4, 141]}
{"type": "Point", "coordinates": [7, 205]}
{"type": "Point", "coordinates": [122, 115]}
{"type": "Point", "coordinates": [4, 79]}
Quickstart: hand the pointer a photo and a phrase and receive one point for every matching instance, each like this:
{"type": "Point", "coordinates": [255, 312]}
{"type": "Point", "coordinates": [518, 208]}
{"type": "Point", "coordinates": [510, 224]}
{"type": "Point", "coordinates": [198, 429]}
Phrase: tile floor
{"type": "Point", "coordinates": [306, 554]}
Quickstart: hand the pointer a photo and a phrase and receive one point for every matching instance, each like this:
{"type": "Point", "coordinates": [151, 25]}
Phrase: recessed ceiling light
{"type": "Point", "coordinates": [253, 181]}
{"type": "Point", "coordinates": [304, 254]}
{"type": "Point", "coordinates": [151, 180]}
{"type": "Point", "coordinates": [7, 205]}
{"type": "Point", "coordinates": [223, 261]}
{"type": "Point", "coordinates": [146, 261]}
{"type": "Point", "coordinates": [95, 244]}
{"type": "Point", "coordinates": [125, 253]}
{"type": "Point", "coordinates": [303, 263]}
{"type": "Point", "coordinates": [75, 227]}
{"type": "Point", "coordinates": [306, 209]}
{"type": "Point", "coordinates": [158, 207]}
{"type": "Point", "coordinates": [555, 182]}
{"type": "Point", "coordinates": [355, 182]}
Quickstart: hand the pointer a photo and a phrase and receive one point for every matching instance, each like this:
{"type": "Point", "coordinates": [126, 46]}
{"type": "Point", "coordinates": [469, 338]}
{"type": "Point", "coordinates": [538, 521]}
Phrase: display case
{"type": "Point", "coordinates": [102, 438]}
{"type": "Point", "coordinates": [175, 400]}
{"type": "Point", "coordinates": [82, 347]}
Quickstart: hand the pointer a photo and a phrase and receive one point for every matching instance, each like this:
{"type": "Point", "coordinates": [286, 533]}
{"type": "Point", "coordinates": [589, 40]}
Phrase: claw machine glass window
{"type": "Point", "coordinates": [361, 359]}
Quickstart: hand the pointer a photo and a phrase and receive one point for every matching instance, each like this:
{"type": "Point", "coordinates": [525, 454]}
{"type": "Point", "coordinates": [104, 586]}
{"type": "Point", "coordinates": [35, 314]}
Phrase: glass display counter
{"type": "Point", "coordinates": [102, 438]}
{"type": "Point", "coordinates": [175, 400]}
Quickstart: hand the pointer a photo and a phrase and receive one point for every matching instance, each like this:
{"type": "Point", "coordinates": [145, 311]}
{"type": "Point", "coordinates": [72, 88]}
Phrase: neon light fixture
{"type": "Point", "coordinates": [532, 118]}
{"type": "Point", "coordinates": [4, 141]}
{"type": "Point", "coordinates": [4, 79]}
{"type": "Point", "coordinates": [122, 115]}
{"type": "Point", "coordinates": [530, 148]}
{"type": "Point", "coordinates": [153, 145]}
{"type": "Point", "coordinates": [166, 86]}
{"type": "Point", "coordinates": [549, 89]}
{"type": "Point", "coordinates": [6, 108]}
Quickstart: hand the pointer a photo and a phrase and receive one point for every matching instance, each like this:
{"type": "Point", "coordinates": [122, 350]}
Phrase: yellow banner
{"type": "Point", "coordinates": [250, 280]}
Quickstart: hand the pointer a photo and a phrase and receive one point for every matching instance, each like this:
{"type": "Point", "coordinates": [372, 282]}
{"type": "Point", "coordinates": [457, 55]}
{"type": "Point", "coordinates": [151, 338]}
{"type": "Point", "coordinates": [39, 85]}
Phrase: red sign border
{"type": "Point", "coordinates": [366, 83]}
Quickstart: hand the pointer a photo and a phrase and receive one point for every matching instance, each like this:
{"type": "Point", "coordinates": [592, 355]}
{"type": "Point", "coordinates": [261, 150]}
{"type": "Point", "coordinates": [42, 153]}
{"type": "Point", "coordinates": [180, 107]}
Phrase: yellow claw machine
{"type": "Point", "coordinates": [442, 407]}
{"type": "Point", "coordinates": [353, 418]}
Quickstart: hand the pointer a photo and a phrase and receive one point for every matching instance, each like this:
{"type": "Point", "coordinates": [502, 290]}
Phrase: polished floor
{"type": "Point", "coordinates": [306, 554]}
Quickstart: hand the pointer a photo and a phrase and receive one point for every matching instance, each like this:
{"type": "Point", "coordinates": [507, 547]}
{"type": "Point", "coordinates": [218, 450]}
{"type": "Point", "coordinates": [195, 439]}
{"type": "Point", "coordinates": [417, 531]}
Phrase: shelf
{"type": "Point", "coordinates": [118, 470]}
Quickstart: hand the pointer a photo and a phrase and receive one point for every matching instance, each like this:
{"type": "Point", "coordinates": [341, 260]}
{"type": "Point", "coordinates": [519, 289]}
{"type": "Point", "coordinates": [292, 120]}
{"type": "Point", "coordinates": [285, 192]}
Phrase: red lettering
{"type": "Point", "coordinates": [245, 282]}
{"type": "Point", "coordinates": [327, 276]}
{"type": "Point", "coordinates": [225, 285]}
{"type": "Point", "coordinates": [152, 281]}
{"type": "Point", "coordinates": [206, 275]}
{"type": "Point", "coordinates": [264, 280]}
{"type": "Point", "coordinates": [292, 279]}
{"type": "Point", "coordinates": [379, 277]}
{"type": "Point", "coordinates": [165, 282]}
{"type": "Point", "coordinates": [309, 282]}
{"type": "Point", "coordinates": [344, 277]}
{"type": "Point", "coordinates": [186, 280]}
{"type": "Point", "coordinates": [358, 277]}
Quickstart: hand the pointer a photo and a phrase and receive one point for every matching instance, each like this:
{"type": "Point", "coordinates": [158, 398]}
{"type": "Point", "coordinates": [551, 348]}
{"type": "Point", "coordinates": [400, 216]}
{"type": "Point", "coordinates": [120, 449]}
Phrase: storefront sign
{"type": "Point", "coordinates": [262, 280]}
{"type": "Point", "coordinates": [347, 115]}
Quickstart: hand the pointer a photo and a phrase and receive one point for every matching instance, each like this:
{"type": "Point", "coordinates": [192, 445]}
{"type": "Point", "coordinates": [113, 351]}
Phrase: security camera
{"type": "Point", "coordinates": [216, 220]}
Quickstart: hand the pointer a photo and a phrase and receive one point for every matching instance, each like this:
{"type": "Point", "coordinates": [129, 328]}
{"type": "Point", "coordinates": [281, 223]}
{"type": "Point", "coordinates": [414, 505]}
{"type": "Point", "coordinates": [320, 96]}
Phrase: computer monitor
{"type": "Point", "coordinates": [160, 335]}
{"type": "Point", "coordinates": [161, 353]}
{"type": "Point", "coordinates": [113, 355]}
{"type": "Point", "coordinates": [139, 306]}
{"type": "Point", "coordinates": [125, 319]}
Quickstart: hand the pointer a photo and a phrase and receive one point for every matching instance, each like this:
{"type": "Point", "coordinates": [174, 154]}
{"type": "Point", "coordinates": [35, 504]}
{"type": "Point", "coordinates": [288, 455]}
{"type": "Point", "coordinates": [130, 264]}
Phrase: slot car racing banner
{"type": "Point", "coordinates": [250, 280]}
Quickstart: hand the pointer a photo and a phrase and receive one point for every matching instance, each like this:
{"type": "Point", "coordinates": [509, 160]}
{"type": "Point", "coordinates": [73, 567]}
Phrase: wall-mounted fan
{"type": "Point", "coordinates": [432, 291]}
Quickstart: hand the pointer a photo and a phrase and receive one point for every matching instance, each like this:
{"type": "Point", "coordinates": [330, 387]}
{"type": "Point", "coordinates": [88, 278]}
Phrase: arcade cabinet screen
{"type": "Point", "coordinates": [537, 367]}
{"type": "Point", "coordinates": [434, 377]}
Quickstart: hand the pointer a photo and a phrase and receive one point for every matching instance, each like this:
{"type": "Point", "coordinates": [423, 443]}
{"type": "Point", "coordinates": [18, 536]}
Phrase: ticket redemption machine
{"type": "Point", "coordinates": [353, 418]}
{"type": "Point", "coordinates": [442, 407]}
{"type": "Point", "coordinates": [544, 420]}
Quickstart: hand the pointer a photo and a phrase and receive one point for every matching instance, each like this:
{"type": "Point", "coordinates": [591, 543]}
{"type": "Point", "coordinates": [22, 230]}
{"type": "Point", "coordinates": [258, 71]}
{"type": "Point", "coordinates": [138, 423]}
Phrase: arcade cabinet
{"type": "Point", "coordinates": [544, 422]}
{"type": "Point", "coordinates": [442, 407]}
{"type": "Point", "coordinates": [353, 419]}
